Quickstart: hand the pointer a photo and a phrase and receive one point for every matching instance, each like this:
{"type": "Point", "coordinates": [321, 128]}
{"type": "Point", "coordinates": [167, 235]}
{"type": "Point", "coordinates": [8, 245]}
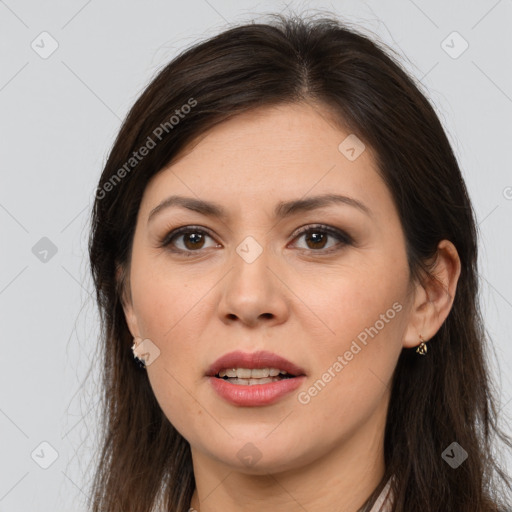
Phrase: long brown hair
{"type": "Point", "coordinates": [442, 398]}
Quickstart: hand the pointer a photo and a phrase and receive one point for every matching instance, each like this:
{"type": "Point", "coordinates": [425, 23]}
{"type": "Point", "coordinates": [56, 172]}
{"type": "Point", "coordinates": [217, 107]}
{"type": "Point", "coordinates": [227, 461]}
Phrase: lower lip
{"type": "Point", "coordinates": [257, 394]}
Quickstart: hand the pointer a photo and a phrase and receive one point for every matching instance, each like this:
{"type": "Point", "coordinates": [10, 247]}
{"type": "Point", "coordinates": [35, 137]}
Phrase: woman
{"type": "Point", "coordinates": [284, 253]}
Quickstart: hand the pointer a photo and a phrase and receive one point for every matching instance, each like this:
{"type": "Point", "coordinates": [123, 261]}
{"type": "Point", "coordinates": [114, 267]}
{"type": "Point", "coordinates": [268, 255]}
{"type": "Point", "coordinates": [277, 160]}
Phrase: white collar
{"type": "Point", "coordinates": [384, 501]}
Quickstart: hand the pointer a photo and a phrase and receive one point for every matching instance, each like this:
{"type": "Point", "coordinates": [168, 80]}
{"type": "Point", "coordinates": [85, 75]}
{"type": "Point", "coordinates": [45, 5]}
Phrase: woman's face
{"type": "Point", "coordinates": [333, 301]}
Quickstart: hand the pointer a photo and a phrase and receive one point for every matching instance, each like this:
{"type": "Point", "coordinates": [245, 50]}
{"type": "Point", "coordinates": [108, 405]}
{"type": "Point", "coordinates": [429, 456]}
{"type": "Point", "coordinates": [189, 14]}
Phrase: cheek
{"type": "Point", "coordinates": [163, 299]}
{"type": "Point", "coordinates": [171, 316]}
{"type": "Point", "coordinates": [351, 300]}
{"type": "Point", "coordinates": [176, 397]}
{"type": "Point", "coordinates": [354, 365]}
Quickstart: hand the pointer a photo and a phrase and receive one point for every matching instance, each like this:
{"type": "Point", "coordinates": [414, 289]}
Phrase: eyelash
{"type": "Point", "coordinates": [345, 239]}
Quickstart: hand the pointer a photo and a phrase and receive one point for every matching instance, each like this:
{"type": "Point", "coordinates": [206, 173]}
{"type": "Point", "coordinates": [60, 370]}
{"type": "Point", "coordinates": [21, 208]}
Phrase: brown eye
{"type": "Point", "coordinates": [193, 240]}
{"type": "Point", "coordinates": [186, 239]}
{"type": "Point", "coordinates": [316, 238]}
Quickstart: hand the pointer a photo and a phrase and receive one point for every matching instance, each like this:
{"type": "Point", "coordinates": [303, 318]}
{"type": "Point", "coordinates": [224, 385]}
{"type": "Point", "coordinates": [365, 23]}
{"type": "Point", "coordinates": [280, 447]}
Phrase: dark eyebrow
{"type": "Point", "coordinates": [282, 209]}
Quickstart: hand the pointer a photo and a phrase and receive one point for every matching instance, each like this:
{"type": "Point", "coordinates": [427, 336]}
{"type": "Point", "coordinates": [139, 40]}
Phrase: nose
{"type": "Point", "coordinates": [254, 292]}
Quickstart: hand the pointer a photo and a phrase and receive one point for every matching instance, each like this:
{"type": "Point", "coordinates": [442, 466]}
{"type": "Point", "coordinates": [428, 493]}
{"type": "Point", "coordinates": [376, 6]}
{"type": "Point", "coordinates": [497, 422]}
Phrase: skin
{"type": "Point", "coordinates": [292, 300]}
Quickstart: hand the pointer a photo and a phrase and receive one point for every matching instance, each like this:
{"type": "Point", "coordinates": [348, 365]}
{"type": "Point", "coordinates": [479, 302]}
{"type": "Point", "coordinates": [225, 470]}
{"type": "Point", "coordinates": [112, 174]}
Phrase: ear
{"type": "Point", "coordinates": [123, 285]}
{"type": "Point", "coordinates": [433, 299]}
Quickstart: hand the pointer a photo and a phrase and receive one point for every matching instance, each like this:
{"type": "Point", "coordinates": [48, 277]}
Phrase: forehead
{"type": "Point", "coordinates": [290, 131]}
{"type": "Point", "coordinates": [272, 153]}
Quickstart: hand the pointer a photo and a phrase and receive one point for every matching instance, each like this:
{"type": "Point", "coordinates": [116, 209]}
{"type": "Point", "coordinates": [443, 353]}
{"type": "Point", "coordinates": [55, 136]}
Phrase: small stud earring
{"type": "Point", "coordinates": [422, 349]}
{"type": "Point", "coordinates": [140, 362]}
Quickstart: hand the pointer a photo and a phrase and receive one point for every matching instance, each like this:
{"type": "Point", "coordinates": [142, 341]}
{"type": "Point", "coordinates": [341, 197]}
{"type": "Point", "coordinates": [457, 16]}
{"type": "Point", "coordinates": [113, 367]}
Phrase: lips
{"type": "Point", "coordinates": [257, 392]}
{"type": "Point", "coordinates": [255, 360]}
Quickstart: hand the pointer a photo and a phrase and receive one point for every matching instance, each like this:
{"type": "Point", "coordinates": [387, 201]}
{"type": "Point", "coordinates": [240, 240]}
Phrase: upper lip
{"type": "Point", "coordinates": [260, 359]}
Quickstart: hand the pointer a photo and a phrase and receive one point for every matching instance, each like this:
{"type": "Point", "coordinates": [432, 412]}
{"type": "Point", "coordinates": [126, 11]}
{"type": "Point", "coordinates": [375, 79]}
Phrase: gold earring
{"type": "Point", "coordinates": [422, 349]}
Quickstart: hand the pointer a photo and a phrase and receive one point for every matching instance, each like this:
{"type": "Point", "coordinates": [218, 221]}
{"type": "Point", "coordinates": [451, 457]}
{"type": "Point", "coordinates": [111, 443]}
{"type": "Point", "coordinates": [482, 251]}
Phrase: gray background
{"type": "Point", "coordinates": [59, 116]}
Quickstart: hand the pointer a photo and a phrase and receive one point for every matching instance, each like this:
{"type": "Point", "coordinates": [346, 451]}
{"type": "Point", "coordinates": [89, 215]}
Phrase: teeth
{"type": "Point", "coordinates": [244, 373]}
{"type": "Point", "coordinates": [250, 382]}
{"type": "Point", "coordinates": [247, 373]}
{"type": "Point", "coordinates": [228, 373]}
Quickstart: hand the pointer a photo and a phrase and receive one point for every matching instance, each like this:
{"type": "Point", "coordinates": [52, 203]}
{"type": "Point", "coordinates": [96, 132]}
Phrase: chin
{"type": "Point", "coordinates": [260, 455]}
